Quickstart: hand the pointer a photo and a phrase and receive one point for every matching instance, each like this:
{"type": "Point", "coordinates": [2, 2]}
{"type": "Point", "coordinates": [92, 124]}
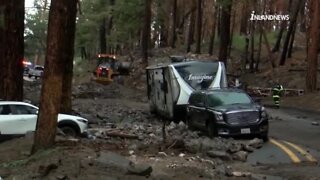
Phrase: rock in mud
{"type": "Point", "coordinates": [139, 169]}
{"type": "Point", "coordinates": [219, 154]}
{"type": "Point", "coordinates": [192, 145]}
{"type": "Point", "coordinates": [240, 156]}
{"type": "Point", "coordinates": [241, 174]}
{"type": "Point", "coordinates": [235, 147]}
{"type": "Point", "coordinates": [229, 171]}
{"type": "Point", "coordinates": [255, 143]}
{"type": "Point", "coordinates": [247, 148]}
{"type": "Point", "coordinates": [208, 144]}
{"type": "Point", "coordinates": [44, 170]}
{"type": "Point", "coordinates": [113, 160]}
{"type": "Point", "coordinates": [62, 177]}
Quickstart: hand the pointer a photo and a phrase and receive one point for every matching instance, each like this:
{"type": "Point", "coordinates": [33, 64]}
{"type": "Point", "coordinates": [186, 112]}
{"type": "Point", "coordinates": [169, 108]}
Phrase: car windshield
{"type": "Point", "coordinates": [227, 98]}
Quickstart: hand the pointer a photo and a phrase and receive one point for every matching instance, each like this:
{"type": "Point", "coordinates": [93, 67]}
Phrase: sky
{"type": "Point", "coordinates": [29, 3]}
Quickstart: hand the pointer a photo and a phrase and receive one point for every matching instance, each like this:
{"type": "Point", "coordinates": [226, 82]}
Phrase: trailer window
{"type": "Point", "coordinates": [199, 75]}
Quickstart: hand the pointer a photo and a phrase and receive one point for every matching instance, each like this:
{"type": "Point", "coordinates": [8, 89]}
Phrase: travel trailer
{"type": "Point", "coordinates": [170, 85]}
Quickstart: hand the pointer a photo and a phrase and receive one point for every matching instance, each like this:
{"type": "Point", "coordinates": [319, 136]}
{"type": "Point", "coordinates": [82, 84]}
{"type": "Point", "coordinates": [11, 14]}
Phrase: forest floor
{"type": "Point", "coordinates": [127, 142]}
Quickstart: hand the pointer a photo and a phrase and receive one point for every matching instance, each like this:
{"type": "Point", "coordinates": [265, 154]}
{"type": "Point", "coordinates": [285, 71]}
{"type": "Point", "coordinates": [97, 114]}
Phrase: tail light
{"type": "Point", "coordinates": [99, 70]}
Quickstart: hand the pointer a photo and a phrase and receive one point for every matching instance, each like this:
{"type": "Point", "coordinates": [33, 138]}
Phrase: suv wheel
{"type": "Point", "coordinates": [189, 124]}
{"type": "Point", "coordinates": [265, 138]}
{"type": "Point", "coordinates": [69, 131]}
{"type": "Point", "coordinates": [212, 132]}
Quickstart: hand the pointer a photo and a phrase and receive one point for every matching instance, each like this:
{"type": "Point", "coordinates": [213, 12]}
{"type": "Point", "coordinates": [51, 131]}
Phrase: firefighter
{"type": "Point", "coordinates": [276, 94]}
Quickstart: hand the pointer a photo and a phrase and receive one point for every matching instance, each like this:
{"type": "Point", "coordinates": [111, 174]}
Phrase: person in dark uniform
{"type": "Point", "coordinates": [276, 94]}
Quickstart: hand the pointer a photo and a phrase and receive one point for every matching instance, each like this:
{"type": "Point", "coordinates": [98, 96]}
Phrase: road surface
{"type": "Point", "coordinates": [293, 151]}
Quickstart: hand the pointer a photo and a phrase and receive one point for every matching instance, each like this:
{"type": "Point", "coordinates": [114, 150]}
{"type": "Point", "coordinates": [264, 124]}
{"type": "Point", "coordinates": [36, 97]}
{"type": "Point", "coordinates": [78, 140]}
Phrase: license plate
{"type": "Point", "coordinates": [245, 131]}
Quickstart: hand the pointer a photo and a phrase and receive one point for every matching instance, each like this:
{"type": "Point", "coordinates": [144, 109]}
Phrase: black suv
{"type": "Point", "coordinates": [227, 112]}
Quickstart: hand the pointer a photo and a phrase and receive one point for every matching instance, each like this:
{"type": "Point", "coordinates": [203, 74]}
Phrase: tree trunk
{"type": "Point", "coordinates": [303, 18]}
{"type": "Point", "coordinates": [292, 40]}
{"type": "Point", "coordinates": [244, 17]}
{"type": "Point", "coordinates": [83, 51]}
{"type": "Point", "coordinates": [109, 23]}
{"type": "Point", "coordinates": [225, 31]}
{"type": "Point", "coordinates": [103, 39]}
{"type": "Point", "coordinates": [282, 28]}
{"type": "Point", "coordinates": [276, 46]}
{"type": "Point", "coordinates": [231, 31]}
{"type": "Point", "coordinates": [289, 33]}
{"type": "Point", "coordinates": [174, 22]}
{"type": "Point", "coordinates": [219, 21]}
{"type": "Point", "coordinates": [199, 26]}
{"type": "Point", "coordinates": [60, 40]}
{"type": "Point", "coordinates": [213, 30]}
{"type": "Point", "coordinates": [191, 30]}
{"type": "Point", "coordinates": [311, 77]}
{"type": "Point", "coordinates": [66, 98]}
{"type": "Point", "coordinates": [270, 55]}
{"type": "Point", "coordinates": [252, 31]}
{"type": "Point", "coordinates": [246, 51]}
{"type": "Point", "coordinates": [12, 49]}
{"type": "Point", "coordinates": [163, 36]}
{"type": "Point", "coordinates": [260, 38]}
{"type": "Point", "coordinates": [146, 32]}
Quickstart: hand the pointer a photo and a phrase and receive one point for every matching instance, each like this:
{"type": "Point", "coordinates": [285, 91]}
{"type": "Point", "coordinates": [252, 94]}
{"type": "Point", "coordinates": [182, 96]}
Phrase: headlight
{"type": "Point", "coordinates": [83, 121]}
{"type": "Point", "coordinates": [219, 116]}
{"type": "Point", "coordinates": [263, 113]}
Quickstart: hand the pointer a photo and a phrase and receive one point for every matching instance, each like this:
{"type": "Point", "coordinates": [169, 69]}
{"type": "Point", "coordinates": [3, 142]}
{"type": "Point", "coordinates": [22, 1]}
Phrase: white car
{"type": "Point", "coordinates": [36, 72]}
{"type": "Point", "coordinates": [17, 118]}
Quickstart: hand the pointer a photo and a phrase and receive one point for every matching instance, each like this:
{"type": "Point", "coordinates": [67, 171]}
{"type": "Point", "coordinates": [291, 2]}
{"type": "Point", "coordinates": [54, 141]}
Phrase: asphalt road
{"type": "Point", "coordinates": [297, 126]}
{"type": "Point", "coordinates": [293, 150]}
{"type": "Point", "coordinates": [294, 137]}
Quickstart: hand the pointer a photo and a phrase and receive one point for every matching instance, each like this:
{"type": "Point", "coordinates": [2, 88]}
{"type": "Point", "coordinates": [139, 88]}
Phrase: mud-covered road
{"type": "Point", "coordinates": [123, 131]}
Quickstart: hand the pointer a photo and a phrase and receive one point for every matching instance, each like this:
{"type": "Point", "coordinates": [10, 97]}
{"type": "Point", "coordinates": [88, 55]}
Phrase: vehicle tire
{"type": "Point", "coordinates": [189, 124]}
{"type": "Point", "coordinates": [118, 79]}
{"type": "Point", "coordinates": [29, 75]}
{"type": "Point", "coordinates": [69, 131]}
{"type": "Point", "coordinates": [265, 138]}
{"type": "Point", "coordinates": [212, 132]}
